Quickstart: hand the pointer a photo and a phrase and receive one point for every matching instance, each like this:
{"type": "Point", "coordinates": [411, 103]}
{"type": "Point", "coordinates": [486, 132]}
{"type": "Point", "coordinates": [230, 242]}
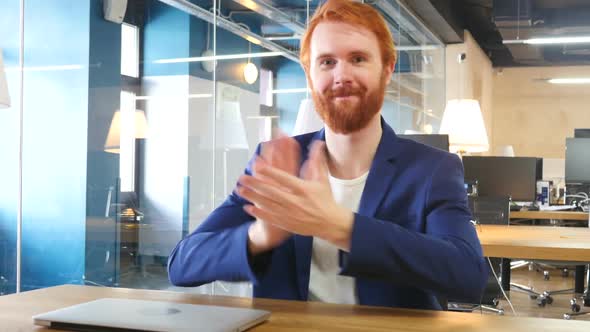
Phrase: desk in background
{"type": "Point", "coordinates": [561, 215]}
{"type": "Point", "coordinates": [535, 242]}
{"type": "Point", "coordinates": [16, 311]}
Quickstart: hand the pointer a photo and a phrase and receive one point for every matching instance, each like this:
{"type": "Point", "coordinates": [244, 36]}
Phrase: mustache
{"type": "Point", "coordinates": [344, 91]}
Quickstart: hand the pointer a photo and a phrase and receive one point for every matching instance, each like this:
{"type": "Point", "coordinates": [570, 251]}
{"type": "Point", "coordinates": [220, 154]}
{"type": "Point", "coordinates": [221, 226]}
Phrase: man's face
{"type": "Point", "coordinates": [346, 75]}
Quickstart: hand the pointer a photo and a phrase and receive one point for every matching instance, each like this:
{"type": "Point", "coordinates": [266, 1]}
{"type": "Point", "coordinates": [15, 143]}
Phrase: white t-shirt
{"type": "Point", "coordinates": [325, 284]}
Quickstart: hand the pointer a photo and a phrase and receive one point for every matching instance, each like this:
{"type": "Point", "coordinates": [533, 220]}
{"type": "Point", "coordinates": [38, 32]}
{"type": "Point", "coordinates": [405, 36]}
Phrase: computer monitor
{"type": "Point", "coordinates": [581, 133]}
{"type": "Point", "coordinates": [433, 140]}
{"type": "Point", "coordinates": [505, 176]}
{"type": "Point", "coordinates": [577, 160]}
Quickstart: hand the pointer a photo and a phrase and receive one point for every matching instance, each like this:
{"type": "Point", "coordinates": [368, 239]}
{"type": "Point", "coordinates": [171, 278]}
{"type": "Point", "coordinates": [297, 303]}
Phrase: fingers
{"type": "Point", "coordinates": [259, 200]}
{"type": "Point", "coordinates": [277, 133]}
{"type": "Point", "coordinates": [271, 218]}
{"type": "Point", "coordinates": [266, 188]}
{"type": "Point", "coordinates": [316, 167]}
{"type": "Point", "coordinates": [258, 213]}
{"type": "Point", "coordinates": [283, 152]}
{"type": "Point", "coordinates": [283, 179]}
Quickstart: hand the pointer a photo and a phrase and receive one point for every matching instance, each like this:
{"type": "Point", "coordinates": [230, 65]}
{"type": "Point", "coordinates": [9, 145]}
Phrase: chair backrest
{"type": "Point", "coordinates": [493, 210]}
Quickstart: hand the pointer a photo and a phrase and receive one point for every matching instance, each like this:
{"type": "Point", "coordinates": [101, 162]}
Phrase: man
{"type": "Point", "coordinates": [369, 218]}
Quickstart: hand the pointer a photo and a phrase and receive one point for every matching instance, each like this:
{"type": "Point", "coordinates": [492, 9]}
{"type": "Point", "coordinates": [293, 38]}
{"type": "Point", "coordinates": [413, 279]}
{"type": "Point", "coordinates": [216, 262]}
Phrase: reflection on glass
{"type": "Point", "coordinates": [129, 50]}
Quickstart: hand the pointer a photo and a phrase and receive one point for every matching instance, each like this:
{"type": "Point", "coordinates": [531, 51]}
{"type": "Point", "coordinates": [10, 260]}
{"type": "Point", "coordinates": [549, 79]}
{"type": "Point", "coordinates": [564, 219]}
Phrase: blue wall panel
{"type": "Point", "coordinates": [9, 141]}
{"type": "Point", "coordinates": [54, 147]}
{"type": "Point", "coordinates": [166, 36]}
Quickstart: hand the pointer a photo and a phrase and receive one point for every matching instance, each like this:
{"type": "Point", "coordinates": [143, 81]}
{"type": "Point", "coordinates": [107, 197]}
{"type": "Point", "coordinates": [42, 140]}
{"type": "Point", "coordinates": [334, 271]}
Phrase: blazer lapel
{"type": "Point", "coordinates": [381, 173]}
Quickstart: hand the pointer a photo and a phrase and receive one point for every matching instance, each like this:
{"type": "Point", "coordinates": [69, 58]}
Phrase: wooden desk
{"type": "Point", "coordinates": [535, 242]}
{"type": "Point", "coordinates": [16, 312]}
{"type": "Point", "coordinates": [563, 215]}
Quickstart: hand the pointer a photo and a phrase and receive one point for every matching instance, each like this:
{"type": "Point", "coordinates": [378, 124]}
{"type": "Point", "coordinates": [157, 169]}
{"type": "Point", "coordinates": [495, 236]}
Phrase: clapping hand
{"type": "Point", "coordinates": [296, 205]}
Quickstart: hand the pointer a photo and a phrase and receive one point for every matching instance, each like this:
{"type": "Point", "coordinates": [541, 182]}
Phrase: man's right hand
{"type": "Point", "coordinates": [283, 153]}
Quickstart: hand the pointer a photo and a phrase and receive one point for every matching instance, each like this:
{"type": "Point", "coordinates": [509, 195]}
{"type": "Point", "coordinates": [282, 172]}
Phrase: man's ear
{"type": "Point", "coordinates": [307, 77]}
{"type": "Point", "coordinates": [389, 69]}
{"type": "Point", "coordinates": [306, 72]}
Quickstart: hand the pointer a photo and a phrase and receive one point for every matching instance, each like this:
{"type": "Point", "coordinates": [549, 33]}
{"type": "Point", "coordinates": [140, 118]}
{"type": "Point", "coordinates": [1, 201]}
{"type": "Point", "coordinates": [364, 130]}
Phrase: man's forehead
{"type": "Point", "coordinates": [342, 27]}
{"type": "Point", "coordinates": [330, 37]}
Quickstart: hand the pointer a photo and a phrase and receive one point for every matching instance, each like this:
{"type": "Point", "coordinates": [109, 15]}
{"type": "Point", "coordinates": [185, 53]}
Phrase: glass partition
{"type": "Point", "coordinates": [134, 131]}
{"type": "Point", "coordinates": [10, 86]}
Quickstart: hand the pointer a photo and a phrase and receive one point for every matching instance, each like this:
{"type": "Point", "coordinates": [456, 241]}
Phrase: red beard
{"type": "Point", "coordinates": [345, 117]}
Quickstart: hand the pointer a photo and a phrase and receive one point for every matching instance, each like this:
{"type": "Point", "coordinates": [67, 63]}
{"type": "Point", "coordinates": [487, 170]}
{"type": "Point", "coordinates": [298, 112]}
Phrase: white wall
{"type": "Point", "coordinates": [535, 116]}
{"type": "Point", "coordinates": [473, 79]}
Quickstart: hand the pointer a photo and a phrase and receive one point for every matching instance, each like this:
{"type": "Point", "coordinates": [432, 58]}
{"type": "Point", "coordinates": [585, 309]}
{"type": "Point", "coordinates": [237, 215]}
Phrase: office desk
{"type": "Point", "coordinates": [16, 312]}
{"type": "Point", "coordinates": [535, 242]}
{"type": "Point", "coordinates": [563, 215]}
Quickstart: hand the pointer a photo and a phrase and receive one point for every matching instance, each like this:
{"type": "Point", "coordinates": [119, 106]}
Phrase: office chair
{"type": "Point", "coordinates": [487, 210]}
{"type": "Point", "coordinates": [546, 297]}
{"type": "Point", "coordinates": [575, 307]}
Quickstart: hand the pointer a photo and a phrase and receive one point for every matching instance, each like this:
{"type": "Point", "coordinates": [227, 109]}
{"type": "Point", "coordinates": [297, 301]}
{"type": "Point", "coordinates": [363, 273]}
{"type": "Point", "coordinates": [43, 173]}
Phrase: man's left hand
{"type": "Point", "coordinates": [303, 206]}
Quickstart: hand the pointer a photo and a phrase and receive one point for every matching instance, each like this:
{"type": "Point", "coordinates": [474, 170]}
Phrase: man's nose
{"type": "Point", "coordinates": [343, 73]}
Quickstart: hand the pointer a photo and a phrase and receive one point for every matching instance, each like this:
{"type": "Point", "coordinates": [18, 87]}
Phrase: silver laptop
{"type": "Point", "coordinates": [141, 315]}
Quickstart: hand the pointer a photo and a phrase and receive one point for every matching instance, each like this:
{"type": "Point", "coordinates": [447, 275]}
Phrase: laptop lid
{"type": "Point", "coordinates": [110, 314]}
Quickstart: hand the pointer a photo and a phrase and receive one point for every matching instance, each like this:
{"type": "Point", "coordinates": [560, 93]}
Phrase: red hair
{"type": "Point", "coordinates": [354, 13]}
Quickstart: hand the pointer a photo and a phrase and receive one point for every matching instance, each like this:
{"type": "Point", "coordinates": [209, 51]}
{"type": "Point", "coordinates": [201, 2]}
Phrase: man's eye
{"type": "Point", "coordinates": [358, 59]}
{"type": "Point", "coordinates": [327, 62]}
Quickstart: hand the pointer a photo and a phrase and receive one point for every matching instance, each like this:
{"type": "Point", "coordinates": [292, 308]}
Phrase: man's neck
{"type": "Point", "coordinates": [351, 155]}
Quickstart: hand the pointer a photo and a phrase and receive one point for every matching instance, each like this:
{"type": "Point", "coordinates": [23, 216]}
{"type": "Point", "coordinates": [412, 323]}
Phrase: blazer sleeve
{"type": "Point", "coordinates": [446, 258]}
{"type": "Point", "coordinates": [218, 248]}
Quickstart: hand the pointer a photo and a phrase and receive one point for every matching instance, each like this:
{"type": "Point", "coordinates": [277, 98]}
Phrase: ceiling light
{"type": "Point", "coordinates": [221, 57]}
{"type": "Point", "coordinates": [250, 73]}
{"type": "Point", "coordinates": [189, 96]}
{"type": "Point", "coordinates": [584, 80]}
{"type": "Point", "coordinates": [45, 68]}
{"type": "Point", "coordinates": [253, 40]}
{"type": "Point", "coordinates": [550, 40]}
{"type": "Point", "coordinates": [298, 90]}
{"type": "Point", "coordinates": [283, 37]}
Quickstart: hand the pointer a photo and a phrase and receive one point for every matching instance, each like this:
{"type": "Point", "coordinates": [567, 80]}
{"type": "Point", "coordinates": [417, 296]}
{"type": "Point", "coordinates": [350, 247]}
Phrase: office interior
{"type": "Point", "coordinates": [121, 131]}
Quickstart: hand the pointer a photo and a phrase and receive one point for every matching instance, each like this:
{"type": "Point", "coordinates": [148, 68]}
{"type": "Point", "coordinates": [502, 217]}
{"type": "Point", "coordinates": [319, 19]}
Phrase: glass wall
{"type": "Point", "coordinates": [10, 53]}
{"type": "Point", "coordinates": [134, 132]}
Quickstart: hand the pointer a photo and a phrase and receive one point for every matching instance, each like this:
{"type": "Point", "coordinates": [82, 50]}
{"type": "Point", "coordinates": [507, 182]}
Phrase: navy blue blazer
{"type": "Point", "coordinates": [412, 241]}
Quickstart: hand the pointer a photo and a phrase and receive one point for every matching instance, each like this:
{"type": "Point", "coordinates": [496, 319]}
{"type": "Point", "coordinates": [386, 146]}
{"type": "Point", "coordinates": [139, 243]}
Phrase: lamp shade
{"type": "Point", "coordinates": [113, 141]}
{"type": "Point", "coordinates": [506, 151]}
{"type": "Point", "coordinates": [4, 96]}
{"type": "Point", "coordinates": [463, 122]}
{"type": "Point", "coordinates": [307, 119]}
{"type": "Point", "coordinates": [230, 130]}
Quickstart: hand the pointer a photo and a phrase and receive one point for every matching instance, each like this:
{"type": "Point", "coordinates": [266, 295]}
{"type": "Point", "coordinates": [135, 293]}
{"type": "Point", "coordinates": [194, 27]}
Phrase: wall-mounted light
{"type": "Point", "coordinates": [4, 96]}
